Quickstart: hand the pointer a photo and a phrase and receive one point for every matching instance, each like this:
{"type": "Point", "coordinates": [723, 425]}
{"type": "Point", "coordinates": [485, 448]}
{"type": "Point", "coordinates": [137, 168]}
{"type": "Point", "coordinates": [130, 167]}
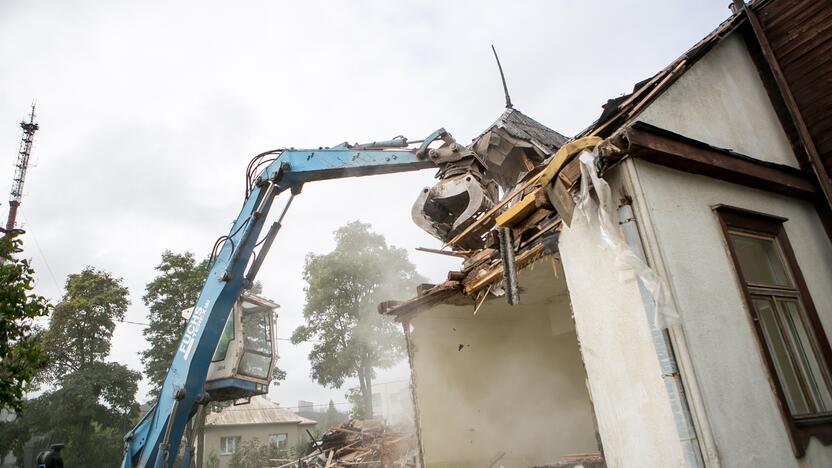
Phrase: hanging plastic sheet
{"type": "Point", "coordinates": [602, 222]}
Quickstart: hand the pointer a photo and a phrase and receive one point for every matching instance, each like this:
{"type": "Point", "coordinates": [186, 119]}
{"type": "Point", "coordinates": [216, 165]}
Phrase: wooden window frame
{"type": "Point", "coordinates": [277, 442]}
{"type": "Point", "coordinates": [800, 428]}
{"type": "Point", "coordinates": [239, 440]}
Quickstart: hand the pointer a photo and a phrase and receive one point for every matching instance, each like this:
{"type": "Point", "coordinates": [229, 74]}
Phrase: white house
{"type": "Point", "coordinates": [261, 419]}
{"type": "Point", "coordinates": [674, 269]}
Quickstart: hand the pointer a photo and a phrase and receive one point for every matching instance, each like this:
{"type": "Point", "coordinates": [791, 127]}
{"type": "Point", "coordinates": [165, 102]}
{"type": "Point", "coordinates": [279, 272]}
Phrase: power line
{"type": "Point", "coordinates": [134, 323]}
{"type": "Point", "coordinates": [232, 408]}
{"type": "Point", "coordinates": [142, 324]}
{"type": "Point", "coordinates": [40, 251]}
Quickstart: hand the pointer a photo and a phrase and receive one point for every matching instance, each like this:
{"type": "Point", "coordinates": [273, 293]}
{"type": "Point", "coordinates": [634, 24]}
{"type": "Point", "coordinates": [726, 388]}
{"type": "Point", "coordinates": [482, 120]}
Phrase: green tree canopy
{"type": "Point", "coordinates": [254, 454]}
{"type": "Point", "coordinates": [21, 354]}
{"type": "Point", "coordinates": [91, 403]}
{"type": "Point", "coordinates": [344, 288]}
{"type": "Point", "coordinates": [82, 324]}
{"type": "Point", "coordinates": [176, 288]}
{"type": "Point", "coordinates": [333, 417]}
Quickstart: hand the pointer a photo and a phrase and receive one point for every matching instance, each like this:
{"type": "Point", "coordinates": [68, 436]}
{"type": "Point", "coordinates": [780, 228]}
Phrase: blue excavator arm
{"type": "Point", "coordinates": [154, 441]}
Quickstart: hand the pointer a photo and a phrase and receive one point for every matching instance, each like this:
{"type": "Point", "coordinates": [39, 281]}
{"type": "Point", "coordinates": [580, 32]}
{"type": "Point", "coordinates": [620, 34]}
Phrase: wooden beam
{"type": "Point", "coordinates": [791, 104]}
{"type": "Point", "coordinates": [678, 152]}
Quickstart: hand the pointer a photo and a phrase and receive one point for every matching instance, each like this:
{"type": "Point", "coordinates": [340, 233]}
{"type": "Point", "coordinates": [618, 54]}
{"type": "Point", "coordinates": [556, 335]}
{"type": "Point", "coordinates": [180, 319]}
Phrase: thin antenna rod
{"type": "Point", "coordinates": [502, 77]}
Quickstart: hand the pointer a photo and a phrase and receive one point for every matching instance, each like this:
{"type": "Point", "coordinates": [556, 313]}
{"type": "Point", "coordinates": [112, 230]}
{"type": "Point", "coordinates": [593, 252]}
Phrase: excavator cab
{"type": "Point", "coordinates": [246, 354]}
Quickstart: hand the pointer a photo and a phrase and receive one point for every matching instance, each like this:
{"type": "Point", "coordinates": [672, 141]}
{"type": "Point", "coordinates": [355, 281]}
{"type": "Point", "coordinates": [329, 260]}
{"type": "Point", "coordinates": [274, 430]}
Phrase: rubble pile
{"type": "Point", "coordinates": [361, 443]}
{"type": "Point", "coordinates": [368, 443]}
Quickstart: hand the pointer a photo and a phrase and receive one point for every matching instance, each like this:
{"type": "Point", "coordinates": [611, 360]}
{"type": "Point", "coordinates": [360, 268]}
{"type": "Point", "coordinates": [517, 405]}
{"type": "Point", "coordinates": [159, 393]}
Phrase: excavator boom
{"type": "Point", "coordinates": [155, 439]}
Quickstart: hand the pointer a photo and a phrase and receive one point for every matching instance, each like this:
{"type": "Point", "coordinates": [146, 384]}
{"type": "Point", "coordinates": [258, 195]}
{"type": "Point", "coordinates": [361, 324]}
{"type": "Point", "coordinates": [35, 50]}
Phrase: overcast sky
{"type": "Point", "coordinates": [150, 111]}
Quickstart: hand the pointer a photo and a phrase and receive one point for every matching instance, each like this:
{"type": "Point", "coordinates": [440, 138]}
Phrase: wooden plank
{"type": "Point", "coordinates": [488, 215]}
{"type": "Point", "coordinates": [517, 212]}
{"type": "Point", "coordinates": [497, 272]}
{"type": "Point", "coordinates": [818, 167]}
{"type": "Point", "coordinates": [675, 151]}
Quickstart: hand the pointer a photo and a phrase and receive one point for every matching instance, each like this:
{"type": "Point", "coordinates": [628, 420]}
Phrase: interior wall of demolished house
{"type": "Point", "coordinates": [724, 83]}
{"type": "Point", "coordinates": [508, 381]}
{"type": "Point", "coordinates": [633, 411]}
{"type": "Point", "coordinates": [740, 403]}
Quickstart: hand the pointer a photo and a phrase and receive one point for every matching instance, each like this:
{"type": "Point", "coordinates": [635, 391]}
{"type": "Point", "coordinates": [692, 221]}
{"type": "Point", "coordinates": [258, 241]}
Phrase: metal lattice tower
{"type": "Point", "coordinates": [21, 166]}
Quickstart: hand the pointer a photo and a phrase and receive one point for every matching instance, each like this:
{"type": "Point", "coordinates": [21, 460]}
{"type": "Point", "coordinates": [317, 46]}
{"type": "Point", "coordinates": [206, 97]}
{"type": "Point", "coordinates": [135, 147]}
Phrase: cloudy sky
{"type": "Point", "coordinates": [150, 111]}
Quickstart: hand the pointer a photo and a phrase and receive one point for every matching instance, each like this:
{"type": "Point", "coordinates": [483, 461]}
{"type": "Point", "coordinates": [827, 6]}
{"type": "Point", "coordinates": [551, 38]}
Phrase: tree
{"type": "Point", "coordinates": [213, 460]}
{"type": "Point", "coordinates": [92, 403]}
{"type": "Point", "coordinates": [343, 290]}
{"type": "Point", "coordinates": [82, 324]}
{"type": "Point", "coordinates": [254, 454]}
{"type": "Point", "coordinates": [90, 412]}
{"type": "Point", "coordinates": [332, 417]}
{"type": "Point", "coordinates": [21, 354]}
{"type": "Point", "coordinates": [176, 288]}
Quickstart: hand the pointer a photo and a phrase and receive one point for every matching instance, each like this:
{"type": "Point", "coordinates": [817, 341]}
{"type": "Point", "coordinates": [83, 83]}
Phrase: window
{"type": "Point", "coordinates": [795, 346]}
{"type": "Point", "coordinates": [228, 445]}
{"type": "Point", "coordinates": [279, 440]}
{"type": "Point", "coordinates": [225, 339]}
{"type": "Point", "coordinates": [257, 343]}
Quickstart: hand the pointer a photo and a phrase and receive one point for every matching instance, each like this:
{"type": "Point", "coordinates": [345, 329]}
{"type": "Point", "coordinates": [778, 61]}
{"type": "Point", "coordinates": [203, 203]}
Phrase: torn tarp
{"type": "Point", "coordinates": [599, 216]}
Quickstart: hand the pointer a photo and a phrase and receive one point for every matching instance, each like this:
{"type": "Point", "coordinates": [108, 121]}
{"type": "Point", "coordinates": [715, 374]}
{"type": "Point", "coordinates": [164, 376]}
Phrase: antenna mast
{"type": "Point", "coordinates": [502, 77]}
{"type": "Point", "coordinates": [21, 166]}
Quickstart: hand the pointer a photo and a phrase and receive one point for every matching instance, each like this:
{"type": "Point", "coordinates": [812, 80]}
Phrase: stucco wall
{"type": "Point", "coordinates": [676, 209]}
{"type": "Point", "coordinates": [631, 404]}
{"type": "Point", "coordinates": [720, 98]}
{"type": "Point", "coordinates": [507, 380]}
{"type": "Point", "coordinates": [213, 434]}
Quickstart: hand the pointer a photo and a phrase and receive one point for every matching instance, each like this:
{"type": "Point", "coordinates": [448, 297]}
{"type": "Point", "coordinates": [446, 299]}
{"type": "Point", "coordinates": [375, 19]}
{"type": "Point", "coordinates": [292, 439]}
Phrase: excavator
{"type": "Point", "coordinates": [241, 366]}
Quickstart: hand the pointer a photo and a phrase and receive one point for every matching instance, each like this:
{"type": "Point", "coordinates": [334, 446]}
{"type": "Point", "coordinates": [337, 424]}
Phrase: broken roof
{"type": "Point", "coordinates": [537, 226]}
{"type": "Point", "coordinates": [620, 110]}
{"type": "Point", "coordinates": [260, 410]}
{"type": "Point", "coordinates": [519, 125]}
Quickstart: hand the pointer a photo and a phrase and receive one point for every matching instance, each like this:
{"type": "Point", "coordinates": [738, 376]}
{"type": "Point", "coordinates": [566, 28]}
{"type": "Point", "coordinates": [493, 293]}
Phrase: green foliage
{"type": "Point", "coordinates": [92, 403]}
{"type": "Point", "coordinates": [304, 445]}
{"type": "Point", "coordinates": [21, 354]}
{"type": "Point", "coordinates": [213, 461]}
{"type": "Point", "coordinates": [13, 436]}
{"type": "Point", "coordinates": [255, 454]}
{"type": "Point", "coordinates": [176, 288]}
{"type": "Point", "coordinates": [333, 417]}
{"type": "Point", "coordinates": [356, 401]}
{"type": "Point", "coordinates": [344, 288]}
{"type": "Point", "coordinates": [82, 324]}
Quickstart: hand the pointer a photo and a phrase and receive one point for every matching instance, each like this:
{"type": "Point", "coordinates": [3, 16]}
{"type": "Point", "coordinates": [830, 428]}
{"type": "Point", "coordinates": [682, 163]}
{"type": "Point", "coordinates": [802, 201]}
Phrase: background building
{"type": "Point", "coordinates": [260, 419]}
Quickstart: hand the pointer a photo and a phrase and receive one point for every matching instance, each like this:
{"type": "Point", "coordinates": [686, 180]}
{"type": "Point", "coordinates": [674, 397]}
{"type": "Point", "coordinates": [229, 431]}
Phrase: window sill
{"type": "Point", "coordinates": [806, 427]}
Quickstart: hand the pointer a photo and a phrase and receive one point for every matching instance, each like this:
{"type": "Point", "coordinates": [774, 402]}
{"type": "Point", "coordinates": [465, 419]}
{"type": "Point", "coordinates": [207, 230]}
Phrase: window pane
{"type": "Point", "coordinates": [255, 365]}
{"type": "Point", "coordinates": [780, 355]}
{"type": "Point", "coordinates": [278, 440]}
{"type": "Point", "coordinates": [225, 339]}
{"type": "Point", "coordinates": [256, 331]}
{"type": "Point", "coordinates": [805, 350]}
{"type": "Point", "coordinates": [759, 259]}
{"type": "Point", "coordinates": [228, 445]}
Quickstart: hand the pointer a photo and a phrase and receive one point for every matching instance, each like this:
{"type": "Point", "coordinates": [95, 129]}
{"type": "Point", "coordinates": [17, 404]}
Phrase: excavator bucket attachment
{"type": "Point", "coordinates": [452, 204]}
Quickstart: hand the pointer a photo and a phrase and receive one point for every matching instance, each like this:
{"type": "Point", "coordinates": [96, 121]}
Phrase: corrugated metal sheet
{"type": "Point", "coordinates": [259, 411]}
{"type": "Point", "coordinates": [800, 33]}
